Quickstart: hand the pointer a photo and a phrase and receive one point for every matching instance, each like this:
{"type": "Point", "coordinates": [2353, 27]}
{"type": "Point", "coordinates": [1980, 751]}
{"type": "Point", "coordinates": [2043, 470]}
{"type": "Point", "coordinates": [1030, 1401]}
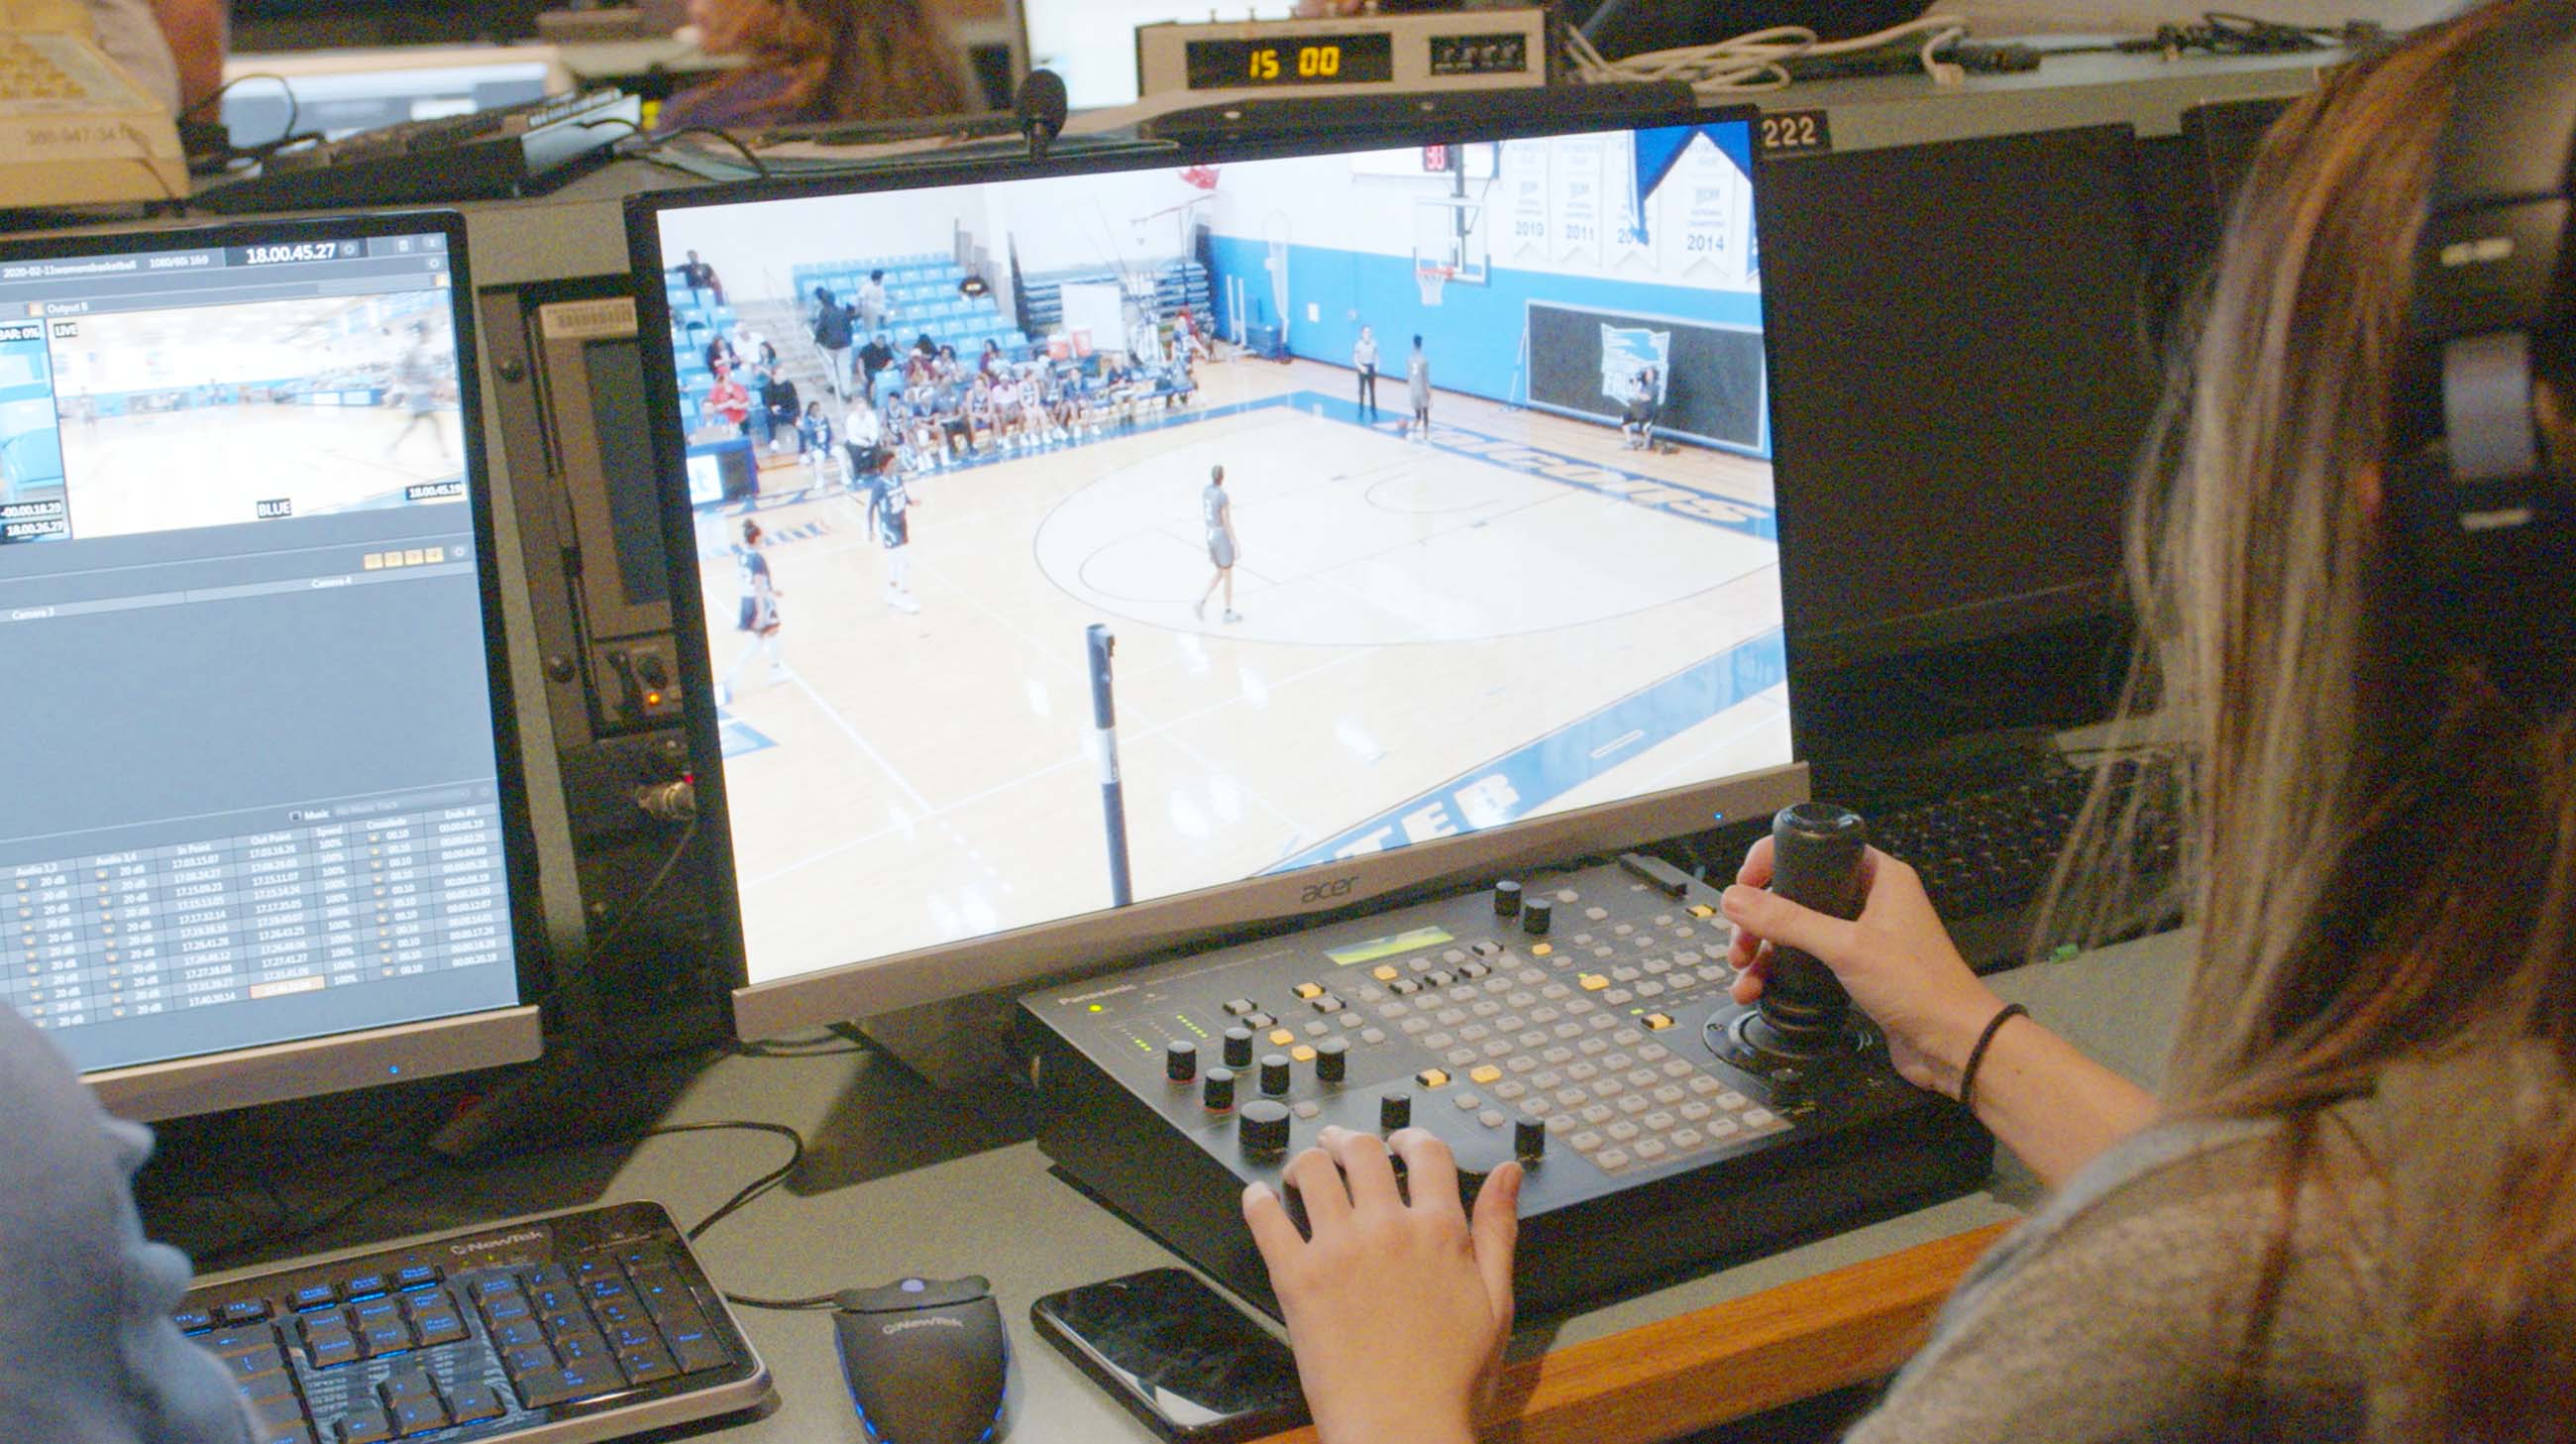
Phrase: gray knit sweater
{"type": "Point", "coordinates": [2121, 1310]}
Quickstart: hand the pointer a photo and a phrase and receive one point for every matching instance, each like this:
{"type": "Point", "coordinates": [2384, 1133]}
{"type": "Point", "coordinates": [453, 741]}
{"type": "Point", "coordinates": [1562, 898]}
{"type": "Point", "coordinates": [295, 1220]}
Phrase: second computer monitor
{"type": "Point", "coordinates": [263, 836]}
{"type": "Point", "coordinates": [1210, 540]}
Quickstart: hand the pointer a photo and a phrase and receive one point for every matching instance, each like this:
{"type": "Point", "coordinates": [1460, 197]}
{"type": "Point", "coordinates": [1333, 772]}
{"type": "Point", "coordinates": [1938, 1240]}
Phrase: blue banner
{"type": "Point", "coordinates": [1658, 151]}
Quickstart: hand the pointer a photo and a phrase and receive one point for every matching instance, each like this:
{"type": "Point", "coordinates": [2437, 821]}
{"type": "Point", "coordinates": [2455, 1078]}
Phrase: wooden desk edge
{"type": "Point", "coordinates": [1704, 1368]}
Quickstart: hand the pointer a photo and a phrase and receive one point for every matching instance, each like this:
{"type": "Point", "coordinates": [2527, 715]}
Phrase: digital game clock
{"type": "Point", "coordinates": [1472, 49]}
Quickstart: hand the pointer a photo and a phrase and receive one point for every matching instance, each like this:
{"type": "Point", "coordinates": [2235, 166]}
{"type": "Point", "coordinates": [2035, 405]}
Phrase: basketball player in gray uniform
{"type": "Point", "coordinates": [1417, 385]}
{"type": "Point", "coordinates": [890, 510]}
{"type": "Point", "coordinates": [1217, 510]}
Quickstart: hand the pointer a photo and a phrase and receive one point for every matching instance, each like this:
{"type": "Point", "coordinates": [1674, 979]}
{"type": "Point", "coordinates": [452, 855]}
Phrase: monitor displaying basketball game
{"type": "Point", "coordinates": [1075, 558]}
{"type": "Point", "coordinates": [264, 837]}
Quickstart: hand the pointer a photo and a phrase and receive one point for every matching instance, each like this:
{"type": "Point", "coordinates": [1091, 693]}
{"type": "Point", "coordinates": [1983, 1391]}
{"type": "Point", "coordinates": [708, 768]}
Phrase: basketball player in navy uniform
{"type": "Point", "coordinates": [890, 510]}
{"type": "Point", "coordinates": [758, 618]}
{"type": "Point", "coordinates": [1217, 510]}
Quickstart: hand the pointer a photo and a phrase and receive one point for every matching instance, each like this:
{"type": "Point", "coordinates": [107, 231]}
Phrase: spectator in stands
{"type": "Point", "coordinates": [720, 352]}
{"type": "Point", "coordinates": [923, 346]}
{"type": "Point", "coordinates": [727, 399]}
{"type": "Point", "coordinates": [778, 395]}
{"type": "Point", "coordinates": [1014, 403]}
{"type": "Point", "coordinates": [983, 421]}
{"type": "Point", "coordinates": [831, 326]}
{"type": "Point", "coordinates": [814, 438]}
{"type": "Point", "coordinates": [703, 283]}
{"type": "Point", "coordinates": [811, 60]}
{"type": "Point", "coordinates": [863, 437]}
{"type": "Point", "coordinates": [989, 364]}
{"type": "Point", "coordinates": [921, 432]}
{"type": "Point", "coordinates": [871, 302]}
{"type": "Point", "coordinates": [874, 358]}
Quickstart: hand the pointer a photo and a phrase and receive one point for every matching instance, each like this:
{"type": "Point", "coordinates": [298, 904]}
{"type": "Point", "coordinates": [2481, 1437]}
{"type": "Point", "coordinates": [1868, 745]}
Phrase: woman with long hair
{"type": "Point", "coordinates": [2350, 1213]}
{"type": "Point", "coordinates": [810, 60]}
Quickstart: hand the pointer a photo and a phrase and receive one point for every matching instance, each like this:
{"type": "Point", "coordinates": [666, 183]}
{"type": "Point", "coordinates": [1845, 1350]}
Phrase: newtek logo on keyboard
{"type": "Point", "coordinates": [480, 1245]}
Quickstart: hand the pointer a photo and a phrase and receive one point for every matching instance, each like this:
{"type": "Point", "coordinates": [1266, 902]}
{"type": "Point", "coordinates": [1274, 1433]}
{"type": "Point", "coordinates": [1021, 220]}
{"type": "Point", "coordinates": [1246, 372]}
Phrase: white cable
{"type": "Point", "coordinates": [1755, 61]}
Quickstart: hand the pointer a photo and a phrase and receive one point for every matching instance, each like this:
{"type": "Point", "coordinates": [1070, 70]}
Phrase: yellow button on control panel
{"type": "Point", "coordinates": [1432, 1078]}
{"type": "Point", "coordinates": [1658, 1022]}
{"type": "Point", "coordinates": [1486, 1074]}
{"type": "Point", "coordinates": [1282, 1037]}
{"type": "Point", "coordinates": [1592, 982]}
{"type": "Point", "coordinates": [1309, 990]}
{"type": "Point", "coordinates": [1302, 1053]}
{"type": "Point", "coordinates": [1542, 950]}
{"type": "Point", "coordinates": [1702, 910]}
{"type": "Point", "coordinates": [1385, 973]}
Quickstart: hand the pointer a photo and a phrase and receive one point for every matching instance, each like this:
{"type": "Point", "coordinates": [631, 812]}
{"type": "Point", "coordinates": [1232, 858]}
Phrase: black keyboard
{"type": "Point", "coordinates": [591, 1324]}
{"type": "Point", "coordinates": [1985, 856]}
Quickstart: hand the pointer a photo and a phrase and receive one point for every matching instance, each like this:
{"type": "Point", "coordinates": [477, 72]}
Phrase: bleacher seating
{"type": "Point", "coordinates": [922, 290]}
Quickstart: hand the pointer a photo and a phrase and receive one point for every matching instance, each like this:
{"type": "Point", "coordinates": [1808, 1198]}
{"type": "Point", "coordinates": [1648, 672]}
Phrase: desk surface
{"type": "Point", "coordinates": [1840, 1308]}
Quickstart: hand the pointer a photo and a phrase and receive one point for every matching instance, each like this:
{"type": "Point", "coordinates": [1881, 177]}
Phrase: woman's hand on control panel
{"type": "Point", "coordinates": [1397, 1309]}
{"type": "Point", "coordinates": [1896, 960]}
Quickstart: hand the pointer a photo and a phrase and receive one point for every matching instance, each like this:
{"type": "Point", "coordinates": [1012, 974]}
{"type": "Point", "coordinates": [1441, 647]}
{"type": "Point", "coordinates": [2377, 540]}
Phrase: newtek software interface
{"type": "Point", "coordinates": [1524, 609]}
{"type": "Point", "coordinates": [257, 795]}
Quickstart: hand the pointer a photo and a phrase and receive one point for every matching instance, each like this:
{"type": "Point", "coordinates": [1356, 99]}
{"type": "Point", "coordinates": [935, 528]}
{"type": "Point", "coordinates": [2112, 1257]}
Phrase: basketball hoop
{"type": "Point", "coordinates": [1432, 278]}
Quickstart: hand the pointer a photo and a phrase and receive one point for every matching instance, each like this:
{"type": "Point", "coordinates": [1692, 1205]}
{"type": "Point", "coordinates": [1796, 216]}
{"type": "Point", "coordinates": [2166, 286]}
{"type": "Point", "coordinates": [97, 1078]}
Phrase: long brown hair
{"type": "Point", "coordinates": [854, 59]}
{"type": "Point", "coordinates": [2380, 846]}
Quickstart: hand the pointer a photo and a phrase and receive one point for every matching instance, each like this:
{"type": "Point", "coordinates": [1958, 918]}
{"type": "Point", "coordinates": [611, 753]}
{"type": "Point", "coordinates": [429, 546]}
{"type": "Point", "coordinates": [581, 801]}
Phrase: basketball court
{"type": "Point", "coordinates": [1516, 616]}
{"type": "Point", "coordinates": [228, 414]}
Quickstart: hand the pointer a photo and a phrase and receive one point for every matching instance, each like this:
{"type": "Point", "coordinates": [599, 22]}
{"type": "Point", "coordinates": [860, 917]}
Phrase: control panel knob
{"type": "Point", "coordinates": [1274, 1073]}
{"type": "Point", "coordinates": [1263, 1126]}
{"type": "Point", "coordinates": [1536, 914]}
{"type": "Point", "coordinates": [1238, 1047]}
{"type": "Point", "coordinates": [1529, 1139]}
{"type": "Point", "coordinates": [1507, 898]}
{"type": "Point", "coordinates": [1394, 1111]}
{"type": "Point", "coordinates": [1332, 1060]}
{"type": "Point", "coordinates": [1218, 1089]}
{"type": "Point", "coordinates": [1816, 856]}
{"type": "Point", "coordinates": [1180, 1060]}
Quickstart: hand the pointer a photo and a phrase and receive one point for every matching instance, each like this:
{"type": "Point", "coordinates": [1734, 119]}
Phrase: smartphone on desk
{"type": "Point", "coordinates": [1177, 1354]}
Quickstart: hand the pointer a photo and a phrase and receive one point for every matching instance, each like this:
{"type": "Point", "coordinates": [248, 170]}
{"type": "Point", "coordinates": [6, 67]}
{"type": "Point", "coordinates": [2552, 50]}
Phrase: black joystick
{"type": "Point", "coordinates": [1507, 898]}
{"type": "Point", "coordinates": [1238, 1047]}
{"type": "Point", "coordinates": [1815, 862]}
{"type": "Point", "coordinates": [1529, 1138]}
{"type": "Point", "coordinates": [1181, 1060]}
{"type": "Point", "coordinates": [1394, 1111]}
{"type": "Point", "coordinates": [1218, 1089]}
{"type": "Point", "coordinates": [1274, 1073]}
{"type": "Point", "coordinates": [1536, 914]}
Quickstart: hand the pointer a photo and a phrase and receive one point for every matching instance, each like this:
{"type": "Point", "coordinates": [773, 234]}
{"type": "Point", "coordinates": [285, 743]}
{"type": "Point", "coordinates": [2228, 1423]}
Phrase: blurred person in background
{"type": "Point", "coordinates": [818, 60]}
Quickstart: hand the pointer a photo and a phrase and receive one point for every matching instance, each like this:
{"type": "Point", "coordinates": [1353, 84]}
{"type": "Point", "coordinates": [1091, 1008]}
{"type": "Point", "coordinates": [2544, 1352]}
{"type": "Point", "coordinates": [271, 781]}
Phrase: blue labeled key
{"type": "Point", "coordinates": [314, 1296]}
{"type": "Point", "coordinates": [364, 1286]}
{"type": "Point", "coordinates": [418, 1276]}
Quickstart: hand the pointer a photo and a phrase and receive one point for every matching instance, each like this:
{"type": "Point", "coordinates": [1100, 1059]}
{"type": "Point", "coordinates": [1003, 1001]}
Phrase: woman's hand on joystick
{"type": "Point", "coordinates": [1896, 960]}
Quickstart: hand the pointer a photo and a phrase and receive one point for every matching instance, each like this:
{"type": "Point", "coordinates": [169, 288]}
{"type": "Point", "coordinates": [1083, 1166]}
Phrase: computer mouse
{"type": "Point", "coordinates": [926, 1359]}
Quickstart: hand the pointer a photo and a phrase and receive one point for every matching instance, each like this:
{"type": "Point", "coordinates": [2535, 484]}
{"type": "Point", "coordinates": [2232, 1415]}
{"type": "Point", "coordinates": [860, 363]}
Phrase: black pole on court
{"type": "Point", "coordinates": [1113, 797]}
